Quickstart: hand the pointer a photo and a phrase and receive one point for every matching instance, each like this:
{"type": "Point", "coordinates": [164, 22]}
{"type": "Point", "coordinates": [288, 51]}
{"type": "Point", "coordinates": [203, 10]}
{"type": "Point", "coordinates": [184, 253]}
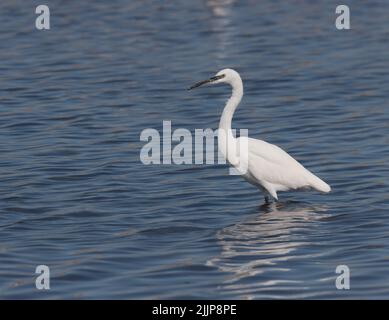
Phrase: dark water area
{"type": "Point", "coordinates": [75, 196]}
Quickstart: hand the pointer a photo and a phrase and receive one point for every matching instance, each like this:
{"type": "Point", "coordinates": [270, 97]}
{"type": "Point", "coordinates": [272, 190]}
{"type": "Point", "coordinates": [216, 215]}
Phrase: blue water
{"type": "Point", "coordinates": [75, 196]}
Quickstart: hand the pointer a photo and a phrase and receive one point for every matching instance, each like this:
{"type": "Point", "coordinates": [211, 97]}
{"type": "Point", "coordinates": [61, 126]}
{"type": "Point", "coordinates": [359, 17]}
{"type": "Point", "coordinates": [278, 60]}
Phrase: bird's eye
{"type": "Point", "coordinates": [217, 77]}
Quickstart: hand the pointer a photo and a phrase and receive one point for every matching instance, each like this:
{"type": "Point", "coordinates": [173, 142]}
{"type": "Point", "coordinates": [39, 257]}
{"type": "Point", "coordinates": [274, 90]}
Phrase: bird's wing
{"type": "Point", "coordinates": [270, 164]}
{"type": "Point", "coordinates": [271, 152]}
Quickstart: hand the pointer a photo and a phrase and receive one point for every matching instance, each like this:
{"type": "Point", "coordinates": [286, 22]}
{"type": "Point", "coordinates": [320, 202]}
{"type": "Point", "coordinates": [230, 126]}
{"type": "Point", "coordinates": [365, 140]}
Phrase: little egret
{"type": "Point", "coordinates": [268, 167]}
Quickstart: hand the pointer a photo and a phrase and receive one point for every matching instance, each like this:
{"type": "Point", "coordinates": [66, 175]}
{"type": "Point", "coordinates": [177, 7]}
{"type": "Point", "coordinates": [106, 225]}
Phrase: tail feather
{"type": "Point", "coordinates": [319, 184]}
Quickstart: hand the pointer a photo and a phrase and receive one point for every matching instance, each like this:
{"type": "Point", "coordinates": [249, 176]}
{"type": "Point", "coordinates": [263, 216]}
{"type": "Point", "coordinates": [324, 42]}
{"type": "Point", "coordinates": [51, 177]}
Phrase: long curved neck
{"type": "Point", "coordinates": [231, 105]}
{"type": "Point", "coordinates": [226, 138]}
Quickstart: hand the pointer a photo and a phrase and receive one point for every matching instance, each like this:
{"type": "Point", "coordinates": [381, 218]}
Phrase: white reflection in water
{"type": "Point", "coordinates": [262, 242]}
{"type": "Point", "coordinates": [220, 8]}
{"type": "Point", "coordinates": [221, 25]}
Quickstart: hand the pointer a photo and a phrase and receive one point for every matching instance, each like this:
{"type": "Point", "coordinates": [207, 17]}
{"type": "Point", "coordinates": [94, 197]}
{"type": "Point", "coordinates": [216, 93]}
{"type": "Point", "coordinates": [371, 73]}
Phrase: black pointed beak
{"type": "Point", "coordinates": [212, 79]}
{"type": "Point", "coordinates": [200, 83]}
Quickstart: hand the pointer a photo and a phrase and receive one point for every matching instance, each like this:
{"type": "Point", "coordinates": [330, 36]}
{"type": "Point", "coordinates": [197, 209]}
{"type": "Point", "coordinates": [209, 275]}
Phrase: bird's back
{"type": "Point", "coordinates": [273, 168]}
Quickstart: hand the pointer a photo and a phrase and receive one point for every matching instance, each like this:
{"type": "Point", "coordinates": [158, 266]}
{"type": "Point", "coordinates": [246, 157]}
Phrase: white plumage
{"type": "Point", "coordinates": [266, 165]}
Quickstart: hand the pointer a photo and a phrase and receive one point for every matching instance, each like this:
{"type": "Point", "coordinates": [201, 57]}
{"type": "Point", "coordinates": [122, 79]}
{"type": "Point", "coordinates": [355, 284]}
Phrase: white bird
{"type": "Point", "coordinates": [264, 165]}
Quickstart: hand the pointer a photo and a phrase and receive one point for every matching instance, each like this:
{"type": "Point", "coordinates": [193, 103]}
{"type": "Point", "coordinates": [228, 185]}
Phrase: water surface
{"type": "Point", "coordinates": [74, 195]}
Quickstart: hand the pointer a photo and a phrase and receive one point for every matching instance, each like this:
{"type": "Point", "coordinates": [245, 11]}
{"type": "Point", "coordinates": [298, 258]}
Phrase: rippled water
{"type": "Point", "coordinates": [74, 195]}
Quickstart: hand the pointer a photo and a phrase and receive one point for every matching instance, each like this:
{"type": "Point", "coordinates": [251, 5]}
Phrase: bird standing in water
{"type": "Point", "coordinates": [264, 165]}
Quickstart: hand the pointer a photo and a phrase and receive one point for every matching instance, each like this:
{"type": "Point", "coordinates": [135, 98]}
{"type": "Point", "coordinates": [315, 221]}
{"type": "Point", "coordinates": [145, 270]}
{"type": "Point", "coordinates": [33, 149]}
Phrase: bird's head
{"type": "Point", "coordinates": [229, 76]}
